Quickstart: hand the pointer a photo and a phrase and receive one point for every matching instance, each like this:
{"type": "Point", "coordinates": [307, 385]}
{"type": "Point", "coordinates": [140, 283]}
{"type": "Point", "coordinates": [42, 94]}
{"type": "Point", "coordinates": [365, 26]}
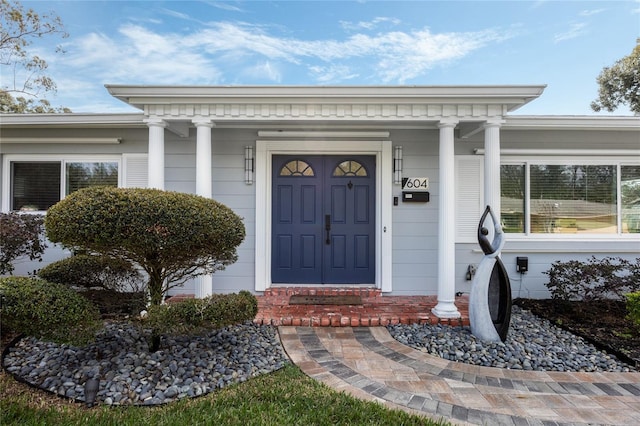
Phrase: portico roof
{"type": "Point", "coordinates": [371, 103]}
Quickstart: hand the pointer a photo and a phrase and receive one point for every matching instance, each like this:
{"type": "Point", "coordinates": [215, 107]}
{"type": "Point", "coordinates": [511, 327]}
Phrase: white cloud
{"type": "Point", "coordinates": [138, 55]}
{"type": "Point", "coordinates": [175, 14]}
{"type": "Point", "coordinates": [264, 71]}
{"type": "Point", "coordinates": [591, 12]}
{"type": "Point", "coordinates": [332, 74]}
{"type": "Point", "coordinates": [576, 30]}
{"type": "Point", "coordinates": [142, 56]}
{"type": "Point", "coordinates": [368, 25]}
{"type": "Point", "coordinates": [224, 6]}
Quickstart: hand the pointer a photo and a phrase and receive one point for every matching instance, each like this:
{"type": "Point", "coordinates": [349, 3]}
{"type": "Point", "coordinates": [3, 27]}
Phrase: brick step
{"type": "Point", "coordinates": [376, 309]}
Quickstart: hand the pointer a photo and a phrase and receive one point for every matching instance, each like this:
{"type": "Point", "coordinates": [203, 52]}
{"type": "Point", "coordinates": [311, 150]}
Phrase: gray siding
{"type": "Point", "coordinates": [415, 225]}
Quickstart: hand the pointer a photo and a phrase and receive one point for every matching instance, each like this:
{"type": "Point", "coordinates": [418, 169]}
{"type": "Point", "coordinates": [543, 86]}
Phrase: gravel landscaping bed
{"type": "Point", "coordinates": [532, 344]}
{"type": "Point", "coordinates": [190, 366]}
{"type": "Point", "coordinates": [185, 366]}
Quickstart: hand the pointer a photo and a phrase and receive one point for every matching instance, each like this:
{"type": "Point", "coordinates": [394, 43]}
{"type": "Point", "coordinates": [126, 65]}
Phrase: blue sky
{"type": "Point", "coordinates": [564, 44]}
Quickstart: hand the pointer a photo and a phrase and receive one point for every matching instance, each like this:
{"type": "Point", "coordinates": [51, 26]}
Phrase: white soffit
{"type": "Point", "coordinates": [510, 96]}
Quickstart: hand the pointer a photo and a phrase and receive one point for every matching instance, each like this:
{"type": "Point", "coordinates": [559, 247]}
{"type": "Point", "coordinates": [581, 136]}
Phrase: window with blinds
{"type": "Point", "coordinates": [35, 186]}
{"type": "Point", "coordinates": [38, 185]}
{"type": "Point", "coordinates": [545, 198]}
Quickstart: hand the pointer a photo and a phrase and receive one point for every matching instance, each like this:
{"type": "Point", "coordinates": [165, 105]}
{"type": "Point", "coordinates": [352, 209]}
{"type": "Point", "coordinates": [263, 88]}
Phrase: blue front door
{"type": "Point", "coordinates": [323, 229]}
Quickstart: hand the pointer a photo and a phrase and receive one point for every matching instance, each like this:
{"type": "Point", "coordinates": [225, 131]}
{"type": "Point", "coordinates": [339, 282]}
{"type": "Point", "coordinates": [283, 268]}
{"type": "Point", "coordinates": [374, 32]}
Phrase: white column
{"type": "Point", "coordinates": [155, 170]}
{"type": "Point", "coordinates": [492, 166]}
{"type": "Point", "coordinates": [203, 157]}
{"type": "Point", "coordinates": [446, 307]}
{"type": "Point", "coordinates": [203, 283]}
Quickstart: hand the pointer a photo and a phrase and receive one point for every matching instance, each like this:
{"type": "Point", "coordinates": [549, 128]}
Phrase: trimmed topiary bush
{"type": "Point", "coordinates": [172, 236]}
{"type": "Point", "coordinates": [595, 279]}
{"type": "Point", "coordinates": [633, 307]}
{"type": "Point", "coordinates": [113, 285]}
{"type": "Point", "coordinates": [47, 311]}
{"type": "Point", "coordinates": [191, 316]}
{"type": "Point", "coordinates": [86, 271]}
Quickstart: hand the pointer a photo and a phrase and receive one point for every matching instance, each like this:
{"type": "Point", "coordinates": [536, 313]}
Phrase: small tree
{"type": "Point", "coordinates": [20, 236]}
{"type": "Point", "coordinates": [172, 236]}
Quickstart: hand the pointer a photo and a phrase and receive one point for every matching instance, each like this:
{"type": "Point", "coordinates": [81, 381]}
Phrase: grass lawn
{"type": "Point", "coordinates": [286, 397]}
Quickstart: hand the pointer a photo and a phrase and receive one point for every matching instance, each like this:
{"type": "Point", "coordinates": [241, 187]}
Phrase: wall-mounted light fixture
{"type": "Point", "coordinates": [248, 165]}
{"type": "Point", "coordinates": [397, 165]}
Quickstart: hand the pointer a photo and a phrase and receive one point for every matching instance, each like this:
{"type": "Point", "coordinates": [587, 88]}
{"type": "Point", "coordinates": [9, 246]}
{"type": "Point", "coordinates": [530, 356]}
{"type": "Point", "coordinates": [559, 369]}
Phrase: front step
{"type": "Point", "coordinates": [375, 310]}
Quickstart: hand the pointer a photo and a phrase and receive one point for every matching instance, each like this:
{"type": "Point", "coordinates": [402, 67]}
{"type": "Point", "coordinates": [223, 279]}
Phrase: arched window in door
{"type": "Point", "coordinates": [296, 168]}
{"type": "Point", "coordinates": [350, 168]}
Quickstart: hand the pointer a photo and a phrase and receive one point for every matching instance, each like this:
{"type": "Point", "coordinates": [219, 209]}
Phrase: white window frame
{"type": "Point", "coordinates": [527, 161]}
{"type": "Point", "coordinates": [63, 159]}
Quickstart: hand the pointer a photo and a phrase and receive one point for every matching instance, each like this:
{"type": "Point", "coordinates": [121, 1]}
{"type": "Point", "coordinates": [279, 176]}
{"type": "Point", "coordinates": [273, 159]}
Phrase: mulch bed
{"type": "Point", "coordinates": [602, 323]}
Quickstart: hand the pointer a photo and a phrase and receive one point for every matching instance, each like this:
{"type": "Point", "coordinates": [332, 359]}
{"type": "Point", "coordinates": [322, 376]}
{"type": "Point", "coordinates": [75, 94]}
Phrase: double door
{"type": "Point", "coordinates": [323, 219]}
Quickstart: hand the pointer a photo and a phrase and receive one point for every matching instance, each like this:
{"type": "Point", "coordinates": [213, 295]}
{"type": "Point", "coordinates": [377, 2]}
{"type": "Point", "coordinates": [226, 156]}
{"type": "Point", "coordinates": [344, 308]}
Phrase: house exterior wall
{"type": "Point", "coordinates": [543, 250]}
{"type": "Point", "coordinates": [415, 225]}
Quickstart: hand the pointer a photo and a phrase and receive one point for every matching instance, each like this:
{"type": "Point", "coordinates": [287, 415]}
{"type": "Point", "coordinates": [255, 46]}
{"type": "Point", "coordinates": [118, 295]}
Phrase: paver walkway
{"type": "Point", "coordinates": [368, 363]}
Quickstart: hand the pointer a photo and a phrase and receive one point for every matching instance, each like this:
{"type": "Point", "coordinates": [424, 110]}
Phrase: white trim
{"type": "Point", "coordinates": [321, 134]}
{"type": "Point", "coordinates": [263, 174]}
{"type": "Point", "coordinates": [570, 152]}
{"type": "Point", "coordinates": [614, 158]}
{"type": "Point", "coordinates": [63, 159]}
{"type": "Point", "coordinates": [74, 140]}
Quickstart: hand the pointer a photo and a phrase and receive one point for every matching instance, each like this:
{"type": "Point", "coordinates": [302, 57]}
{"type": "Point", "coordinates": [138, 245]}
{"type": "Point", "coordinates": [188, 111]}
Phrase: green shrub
{"type": "Point", "coordinates": [48, 311]}
{"type": "Point", "coordinates": [193, 316]}
{"type": "Point", "coordinates": [20, 235]}
{"type": "Point", "coordinates": [172, 236]}
{"type": "Point", "coordinates": [633, 307]}
{"type": "Point", "coordinates": [90, 271]}
{"type": "Point", "coordinates": [595, 279]}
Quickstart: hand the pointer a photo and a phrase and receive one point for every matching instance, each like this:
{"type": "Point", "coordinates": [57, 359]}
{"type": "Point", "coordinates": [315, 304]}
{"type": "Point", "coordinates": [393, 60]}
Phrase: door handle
{"type": "Point", "coordinates": [327, 227]}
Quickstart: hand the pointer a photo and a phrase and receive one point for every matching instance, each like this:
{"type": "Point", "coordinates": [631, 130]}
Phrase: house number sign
{"type": "Point", "coordinates": [415, 184]}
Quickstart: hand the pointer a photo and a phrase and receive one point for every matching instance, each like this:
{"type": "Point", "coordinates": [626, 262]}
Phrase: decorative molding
{"type": "Point", "coordinates": [327, 111]}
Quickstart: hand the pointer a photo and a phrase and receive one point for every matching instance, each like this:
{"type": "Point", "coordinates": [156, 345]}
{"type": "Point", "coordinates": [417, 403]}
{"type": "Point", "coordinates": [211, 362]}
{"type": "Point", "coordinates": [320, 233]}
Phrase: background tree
{"type": "Point", "coordinates": [18, 30]}
{"type": "Point", "coordinates": [172, 236]}
{"type": "Point", "coordinates": [620, 84]}
{"type": "Point", "coordinates": [20, 236]}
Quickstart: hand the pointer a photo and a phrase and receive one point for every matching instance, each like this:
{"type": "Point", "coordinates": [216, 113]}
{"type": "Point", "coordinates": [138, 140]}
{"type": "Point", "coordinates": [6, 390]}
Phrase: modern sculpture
{"type": "Point", "coordinates": [490, 299]}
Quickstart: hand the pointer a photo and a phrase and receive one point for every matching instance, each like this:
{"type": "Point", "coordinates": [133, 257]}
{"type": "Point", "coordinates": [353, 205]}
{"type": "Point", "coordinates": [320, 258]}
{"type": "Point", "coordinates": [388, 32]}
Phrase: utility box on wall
{"type": "Point", "coordinates": [418, 197]}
